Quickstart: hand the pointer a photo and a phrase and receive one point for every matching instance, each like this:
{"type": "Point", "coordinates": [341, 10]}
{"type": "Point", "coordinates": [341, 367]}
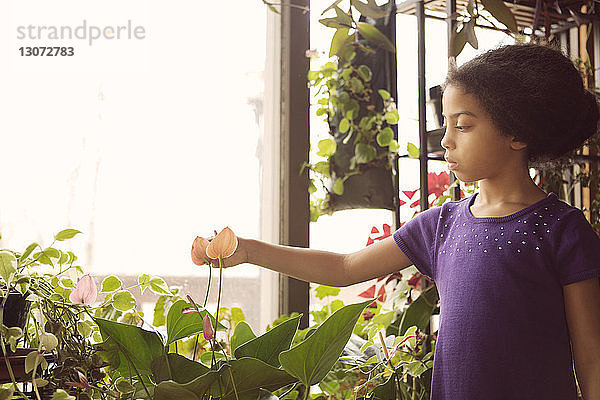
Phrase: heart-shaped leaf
{"type": "Point", "coordinates": [181, 325]}
{"type": "Point", "coordinates": [183, 369]}
{"type": "Point", "coordinates": [237, 379]}
{"type": "Point", "coordinates": [242, 334]}
{"type": "Point", "coordinates": [313, 358]}
{"type": "Point", "coordinates": [267, 347]}
{"type": "Point", "coordinates": [138, 345]}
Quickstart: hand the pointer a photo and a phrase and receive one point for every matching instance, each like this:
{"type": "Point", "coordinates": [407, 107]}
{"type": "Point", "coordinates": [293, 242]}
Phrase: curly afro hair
{"type": "Point", "coordinates": [533, 92]}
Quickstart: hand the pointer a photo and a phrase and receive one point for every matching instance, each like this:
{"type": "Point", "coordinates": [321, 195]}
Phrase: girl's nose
{"type": "Point", "coordinates": [447, 142]}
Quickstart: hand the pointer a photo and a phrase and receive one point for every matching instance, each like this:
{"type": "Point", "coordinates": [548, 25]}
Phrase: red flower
{"type": "Point", "coordinates": [402, 202]}
{"type": "Point", "coordinates": [415, 204]}
{"type": "Point", "coordinates": [381, 294]}
{"type": "Point", "coordinates": [410, 193]}
{"type": "Point", "coordinates": [415, 280]}
{"type": "Point", "coordinates": [369, 293]}
{"type": "Point", "coordinates": [438, 183]}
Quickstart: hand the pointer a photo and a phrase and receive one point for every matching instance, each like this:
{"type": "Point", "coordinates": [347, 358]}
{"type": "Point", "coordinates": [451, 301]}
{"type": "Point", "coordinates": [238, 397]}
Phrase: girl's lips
{"type": "Point", "coordinates": [452, 165]}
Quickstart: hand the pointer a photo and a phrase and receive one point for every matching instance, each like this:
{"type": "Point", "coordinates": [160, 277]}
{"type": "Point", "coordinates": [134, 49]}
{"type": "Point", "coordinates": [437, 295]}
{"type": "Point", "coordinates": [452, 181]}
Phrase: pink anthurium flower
{"type": "Point", "coordinates": [207, 329]}
{"type": "Point", "coordinates": [223, 245]}
{"type": "Point", "coordinates": [199, 251]}
{"type": "Point", "coordinates": [85, 292]}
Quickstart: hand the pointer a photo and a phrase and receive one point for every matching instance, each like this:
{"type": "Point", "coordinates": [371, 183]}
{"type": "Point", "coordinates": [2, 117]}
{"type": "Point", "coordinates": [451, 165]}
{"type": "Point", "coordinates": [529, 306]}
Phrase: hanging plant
{"type": "Point", "coordinates": [354, 165]}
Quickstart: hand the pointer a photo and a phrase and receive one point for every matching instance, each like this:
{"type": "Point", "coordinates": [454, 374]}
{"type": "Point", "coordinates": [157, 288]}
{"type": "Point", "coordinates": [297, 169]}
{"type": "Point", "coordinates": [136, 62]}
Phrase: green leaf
{"type": "Point", "coordinates": [28, 251]}
{"type": "Point", "coordinates": [67, 283]}
{"type": "Point", "coordinates": [502, 13]}
{"type": "Point", "coordinates": [207, 356]}
{"type": "Point", "coordinates": [321, 111]}
{"type": "Point", "coordinates": [416, 367]}
{"type": "Point", "coordinates": [470, 33]}
{"type": "Point", "coordinates": [8, 266]}
{"type": "Point", "coordinates": [267, 347]}
{"type": "Point", "coordinates": [368, 10]}
{"type": "Point", "coordinates": [84, 328]}
{"type": "Point", "coordinates": [123, 301]}
{"type": "Point", "coordinates": [322, 167]}
{"type": "Point", "coordinates": [417, 314]}
{"type": "Point", "coordinates": [159, 286]}
{"type": "Point", "coordinates": [394, 146]}
{"type": "Point", "coordinates": [344, 125]}
{"type": "Point", "coordinates": [386, 390]}
{"type": "Point", "coordinates": [392, 117]}
{"type": "Point", "coordinates": [458, 41]}
{"type": "Point", "coordinates": [338, 41]}
{"type": "Point", "coordinates": [335, 3]}
{"type": "Point", "coordinates": [413, 151]}
{"type": "Point", "coordinates": [338, 187]}
{"type": "Point", "coordinates": [385, 137]}
{"type": "Point", "coordinates": [238, 379]}
{"type": "Point", "coordinates": [110, 284]}
{"type": "Point", "coordinates": [342, 17]}
{"type": "Point", "coordinates": [62, 395]}
{"type": "Point", "coordinates": [66, 234]}
{"type": "Point", "coordinates": [326, 147]}
{"type": "Point", "coordinates": [144, 282]}
{"type": "Point", "coordinates": [375, 37]}
{"type": "Point", "coordinates": [332, 23]}
{"type": "Point", "coordinates": [180, 325]}
{"type": "Point", "coordinates": [312, 359]}
{"type": "Point", "coordinates": [237, 315]}
{"type": "Point", "coordinates": [183, 369]}
{"type": "Point", "coordinates": [242, 334]}
{"type": "Point", "coordinates": [384, 94]}
{"type": "Point", "coordinates": [139, 346]}
{"type": "Point", "coordinates": [124, 387]}
{"type": "Point", "coordinates": [159, 312]}
{"type": "Point", "coordinates": [364, 153]}
{"type": "Point", "coordinates": [323, 291]}
{"type": "Point", "coordinates": [365, 73]}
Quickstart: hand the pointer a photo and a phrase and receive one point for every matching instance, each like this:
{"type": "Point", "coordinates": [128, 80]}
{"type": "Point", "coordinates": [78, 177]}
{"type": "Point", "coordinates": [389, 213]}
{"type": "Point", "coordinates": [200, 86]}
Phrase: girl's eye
{"type": "Point", "coordinates": [460, 128]}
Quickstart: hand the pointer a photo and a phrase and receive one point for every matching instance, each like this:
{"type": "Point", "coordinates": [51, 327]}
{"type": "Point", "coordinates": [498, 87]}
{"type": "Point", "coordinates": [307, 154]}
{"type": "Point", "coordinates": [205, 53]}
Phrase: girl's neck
{"type": "Point", "coordinates": [521, 191]}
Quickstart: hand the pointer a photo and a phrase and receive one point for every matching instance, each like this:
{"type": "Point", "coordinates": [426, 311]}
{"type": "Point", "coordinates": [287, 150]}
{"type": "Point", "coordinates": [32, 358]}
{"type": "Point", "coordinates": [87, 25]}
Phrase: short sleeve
{"type": "Point", "coordinates": [416, 239]}
{"type": "Point", "coordinates": [577, 249]}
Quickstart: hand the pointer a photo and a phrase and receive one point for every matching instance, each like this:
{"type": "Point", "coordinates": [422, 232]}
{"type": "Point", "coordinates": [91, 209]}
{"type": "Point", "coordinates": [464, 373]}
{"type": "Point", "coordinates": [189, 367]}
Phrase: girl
{"type": "Point", "coordinates": [516, 268]}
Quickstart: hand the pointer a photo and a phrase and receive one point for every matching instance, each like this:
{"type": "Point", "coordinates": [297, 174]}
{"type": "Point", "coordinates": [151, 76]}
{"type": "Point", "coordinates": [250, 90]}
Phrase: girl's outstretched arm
{"type": "Point", "coordinates": [328, 268]}
{"type": "Point", "coordinates": [582, 308]}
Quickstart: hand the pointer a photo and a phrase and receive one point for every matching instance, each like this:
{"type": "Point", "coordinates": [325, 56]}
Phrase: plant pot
{"type": "Point", "coordinates": [373, 187]}
{"type": "Point", "coordinates": [15, 310]}
{"type": "Point", "coordinates": [15, 313]}
{"type": "Point", "coordinates": [17, 363]}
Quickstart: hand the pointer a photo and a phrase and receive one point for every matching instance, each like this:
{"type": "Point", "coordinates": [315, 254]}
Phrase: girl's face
{"type": "Point", "coordinates": [475, 149]}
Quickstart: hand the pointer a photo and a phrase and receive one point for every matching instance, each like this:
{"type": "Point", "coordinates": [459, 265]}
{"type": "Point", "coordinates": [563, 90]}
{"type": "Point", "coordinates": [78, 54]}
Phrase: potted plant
{"type": "Point", "coordinates": [355, 165]}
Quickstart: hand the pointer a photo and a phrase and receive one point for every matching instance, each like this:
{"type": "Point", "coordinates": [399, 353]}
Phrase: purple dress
{"type": "Point", "coordinates": [503, 331]}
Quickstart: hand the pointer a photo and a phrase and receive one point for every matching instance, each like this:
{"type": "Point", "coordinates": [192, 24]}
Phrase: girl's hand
{"type": "Point", "coordinates": [228, 242]}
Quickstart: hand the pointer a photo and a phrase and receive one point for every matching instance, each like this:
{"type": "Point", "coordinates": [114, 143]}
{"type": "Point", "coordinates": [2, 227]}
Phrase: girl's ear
{"type": "Point", "coordinates": [516, 144]}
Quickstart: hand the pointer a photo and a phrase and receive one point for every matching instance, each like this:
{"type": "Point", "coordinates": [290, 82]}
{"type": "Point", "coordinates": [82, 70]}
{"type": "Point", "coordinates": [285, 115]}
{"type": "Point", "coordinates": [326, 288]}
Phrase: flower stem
{"type": "Point", "coordinates": [217, 313]}
{"type": "Point", "coordinates": [208, 287]}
